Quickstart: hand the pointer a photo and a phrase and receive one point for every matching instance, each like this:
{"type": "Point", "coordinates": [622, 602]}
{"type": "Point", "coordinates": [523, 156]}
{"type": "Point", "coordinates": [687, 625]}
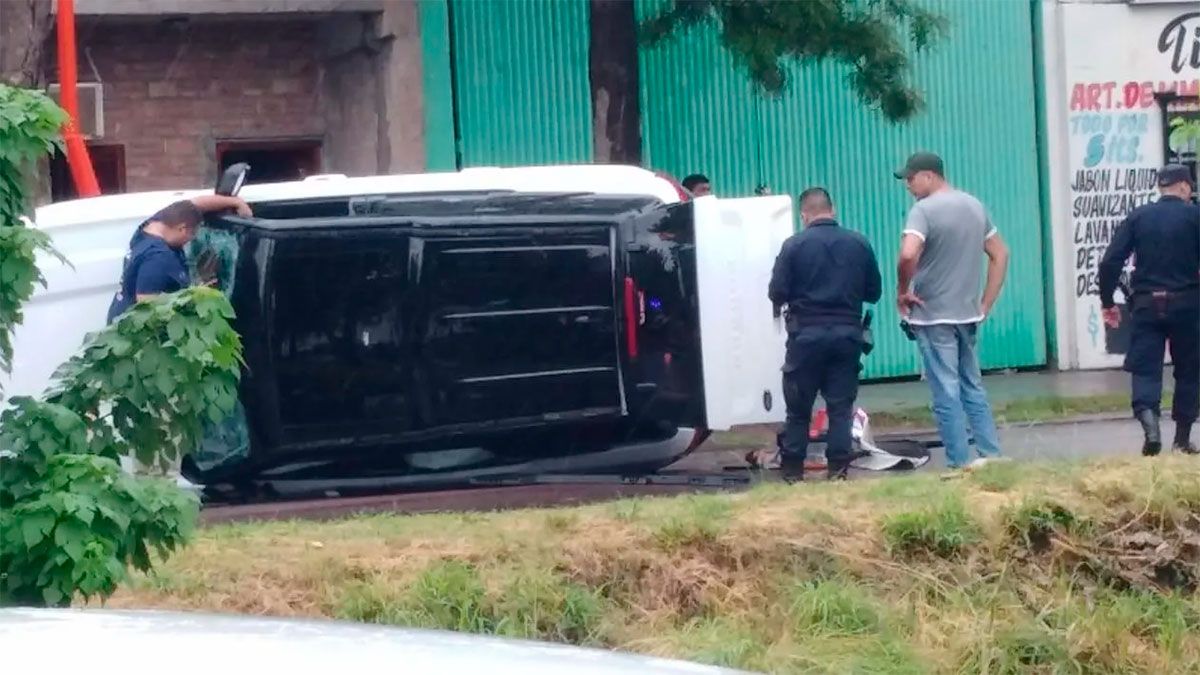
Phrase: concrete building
{"type": "Point", "coordinates": [173, 90]}
{"type": "Point", "coordinates": [1115, 74]}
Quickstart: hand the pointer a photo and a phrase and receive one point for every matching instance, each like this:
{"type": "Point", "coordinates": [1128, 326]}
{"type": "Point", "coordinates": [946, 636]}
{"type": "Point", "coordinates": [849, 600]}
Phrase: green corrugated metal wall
{"type": "Point", "coordinates": [698, 114]}
{"type": "Point", "coordinates": [521, 81]}
{"type": "Point", "coordinates": [522, 97]}
{"type": "Point", "coordinates": [440, 147]}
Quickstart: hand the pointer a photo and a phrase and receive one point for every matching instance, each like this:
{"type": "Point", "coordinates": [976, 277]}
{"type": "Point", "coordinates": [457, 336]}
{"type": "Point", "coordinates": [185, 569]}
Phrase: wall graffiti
{"type": "Point", "coordinates": [1112, 176]}
{"type": "Point", "coordinates": [1114, 95]}
{"type": "Point", "coordinates": [1119, 59]}
{"type": "Point", "coordinates": [1180, 39]}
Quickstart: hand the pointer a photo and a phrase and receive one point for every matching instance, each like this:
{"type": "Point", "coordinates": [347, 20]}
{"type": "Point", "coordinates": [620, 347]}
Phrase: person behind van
{"type": "Point", "coordinates": [823, 275]}
{"type": "Point", "coordinates": [155, 263]}
{"type": "Point", "coordinates": [698, 184]}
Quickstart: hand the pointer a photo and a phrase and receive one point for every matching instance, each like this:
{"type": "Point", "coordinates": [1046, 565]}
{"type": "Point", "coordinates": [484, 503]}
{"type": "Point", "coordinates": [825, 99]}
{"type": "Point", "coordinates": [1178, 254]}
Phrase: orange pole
{"type": "Point", "coordinates": [68, 76]}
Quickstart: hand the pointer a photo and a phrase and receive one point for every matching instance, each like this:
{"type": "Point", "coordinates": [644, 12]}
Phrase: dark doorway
{"type": "Point", "coordinates": [272, 161]}
{"type": "Point", "coordinates": [108, 161]}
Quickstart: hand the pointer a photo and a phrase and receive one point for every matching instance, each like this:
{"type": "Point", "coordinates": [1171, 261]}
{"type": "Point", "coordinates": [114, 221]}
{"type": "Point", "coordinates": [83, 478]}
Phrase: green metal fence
{"type": "Point", "coordinates": [521, 81]}
{"type": "Point", "coordinates": [522, 97]}
{"type": "Point", "coordinates": [699, 113]}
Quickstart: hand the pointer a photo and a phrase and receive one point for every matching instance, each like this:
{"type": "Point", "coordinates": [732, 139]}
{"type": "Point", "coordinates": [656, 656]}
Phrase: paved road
{"type": "Point", "coordinates": [1066, 441]}
{"type": "Point", "coordinates": [1074, 441]}
{"type": "Point", "coordinates": [1078, 440]}
{"type": "Point", "coordinates": [1007, 387]}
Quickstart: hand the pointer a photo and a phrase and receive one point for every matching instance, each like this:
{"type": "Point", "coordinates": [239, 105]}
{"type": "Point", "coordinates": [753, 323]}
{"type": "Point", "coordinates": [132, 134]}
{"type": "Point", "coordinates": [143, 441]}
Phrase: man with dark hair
{"type": "Point", "coordinates": [823, 275]}
{"type": "Point", "coordinates": [698, 184]}
{"type": "Point", "coordinates": [946, 237]}
{"type": "Point", "coordinates": [155, 263]}
{"type": "Point", "coordinates": [1164, 238]}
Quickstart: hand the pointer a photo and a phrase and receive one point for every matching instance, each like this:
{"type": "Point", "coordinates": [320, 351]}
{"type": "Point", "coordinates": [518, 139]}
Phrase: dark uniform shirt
{"type": "Point", "coordinates": [1165, 240]}
{"type": "Point", "coordinates": [824, 274]}
{"type": "Point", "coordinates": [151, 267]}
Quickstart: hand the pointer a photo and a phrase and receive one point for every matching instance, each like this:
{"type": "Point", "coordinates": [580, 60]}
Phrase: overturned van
{"type": "Point", "coordinates": [432, 329]}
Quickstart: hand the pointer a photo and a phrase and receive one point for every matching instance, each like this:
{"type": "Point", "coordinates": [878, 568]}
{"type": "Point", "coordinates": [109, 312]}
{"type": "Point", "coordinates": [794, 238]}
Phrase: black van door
{"type": "Point", "coordinates": [516, 324]}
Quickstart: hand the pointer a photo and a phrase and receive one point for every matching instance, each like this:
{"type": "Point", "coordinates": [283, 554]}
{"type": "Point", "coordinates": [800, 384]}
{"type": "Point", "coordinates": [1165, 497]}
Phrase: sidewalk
{"type": "Point", "coordinates": [1006, 388]}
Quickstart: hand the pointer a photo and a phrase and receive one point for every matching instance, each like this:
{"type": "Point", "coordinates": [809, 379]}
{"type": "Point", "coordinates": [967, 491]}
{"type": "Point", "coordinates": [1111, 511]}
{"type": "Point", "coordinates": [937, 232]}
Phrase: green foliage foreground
{"type": "Point", "coordinates": [71, 521]}
{"type": "Point", "coordinates": [29, 129]}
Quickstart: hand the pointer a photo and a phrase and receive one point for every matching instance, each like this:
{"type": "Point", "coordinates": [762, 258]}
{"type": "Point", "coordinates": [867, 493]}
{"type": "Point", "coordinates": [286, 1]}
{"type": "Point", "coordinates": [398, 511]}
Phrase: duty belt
{"type": "Point", "coordinates": [1159, 300]}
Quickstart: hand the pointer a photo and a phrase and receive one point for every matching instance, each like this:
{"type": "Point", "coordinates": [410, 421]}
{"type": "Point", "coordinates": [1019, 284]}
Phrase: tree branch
{"type": "Point", "coordinates": [873, 38]}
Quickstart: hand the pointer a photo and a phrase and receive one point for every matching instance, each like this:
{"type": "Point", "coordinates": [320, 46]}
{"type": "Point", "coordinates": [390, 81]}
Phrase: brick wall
{"type": "Point", "coordinates": [173, 90]}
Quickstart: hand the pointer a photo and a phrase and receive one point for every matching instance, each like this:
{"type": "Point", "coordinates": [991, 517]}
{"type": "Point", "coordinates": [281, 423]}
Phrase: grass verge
{"type": "Point", "coordinates": [1044, 568]}
{"type": "Point", "coordinates": [1020, 411]}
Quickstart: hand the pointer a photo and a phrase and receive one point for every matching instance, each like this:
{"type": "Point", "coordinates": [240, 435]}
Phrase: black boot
{"type": "Point", "coordinates": [1150, 428]}
{"type": "Point", "coordinates": [838, 471]}
{"type": "Point", "coordinates": [791, 468]}
{"type": "Point", "coordinates": [1183, 439]}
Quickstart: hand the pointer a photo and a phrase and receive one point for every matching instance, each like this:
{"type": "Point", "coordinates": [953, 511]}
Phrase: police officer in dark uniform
{"type": "Point", "coordinates": [1164, 238]}
{"type": "Point", "coordinates": [823, 275]}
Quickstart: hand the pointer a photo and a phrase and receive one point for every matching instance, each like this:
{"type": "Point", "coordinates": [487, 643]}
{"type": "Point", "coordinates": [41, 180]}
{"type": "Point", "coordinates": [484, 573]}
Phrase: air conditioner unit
{"type": "Point", "coordinates": [91, 107]}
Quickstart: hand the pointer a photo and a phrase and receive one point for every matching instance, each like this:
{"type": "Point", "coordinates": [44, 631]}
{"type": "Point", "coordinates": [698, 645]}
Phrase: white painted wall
{"type": "Point", "coordinates": [1104, 62]}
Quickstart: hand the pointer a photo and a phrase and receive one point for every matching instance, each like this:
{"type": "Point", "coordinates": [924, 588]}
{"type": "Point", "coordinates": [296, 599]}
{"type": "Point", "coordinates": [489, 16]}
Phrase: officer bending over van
{"type": "Point", "coordinates": [155, 263]}
{"type": "Point", "coordinates": [823, 275]}
{"type": "Point", "coordinates": [1164, 238]}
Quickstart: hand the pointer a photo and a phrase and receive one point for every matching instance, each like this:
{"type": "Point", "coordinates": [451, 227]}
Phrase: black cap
{"type": "Point", "coordinates": [921, 161]}
{"type": "Point", "coordinates": [1172, 174]}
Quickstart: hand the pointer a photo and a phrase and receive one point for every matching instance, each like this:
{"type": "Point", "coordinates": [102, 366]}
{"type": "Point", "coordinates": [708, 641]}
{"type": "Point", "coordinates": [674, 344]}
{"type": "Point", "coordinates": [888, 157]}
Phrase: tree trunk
{"type": "Point", "coordinates": [24, 32]}
{"type": "Point", "coordinates": [613, 57]}
{"type": "Point", "coordinates": [24, 28]}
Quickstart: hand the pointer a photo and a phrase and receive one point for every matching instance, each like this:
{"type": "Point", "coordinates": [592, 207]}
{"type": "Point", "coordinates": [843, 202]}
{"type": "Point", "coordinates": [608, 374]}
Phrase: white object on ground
{"type": "Point", "coordinates": [876, 458]}
{"type": "Point", "coordinates": [872, 457]}
{"type": "Point", "coordinates": [980, 462]}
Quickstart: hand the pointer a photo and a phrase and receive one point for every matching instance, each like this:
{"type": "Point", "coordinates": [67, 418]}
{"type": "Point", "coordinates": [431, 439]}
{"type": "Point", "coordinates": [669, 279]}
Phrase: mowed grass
{"type": "Point", "coordinates": [1033, 568]}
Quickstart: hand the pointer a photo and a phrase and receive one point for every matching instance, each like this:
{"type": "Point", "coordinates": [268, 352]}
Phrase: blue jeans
{"type": "Point", "coordinates": [952, 368]}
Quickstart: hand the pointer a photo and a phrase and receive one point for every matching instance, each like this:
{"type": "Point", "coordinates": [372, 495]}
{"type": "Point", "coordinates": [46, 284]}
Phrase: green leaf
{"type": "Point", "coordinates": [53, 596]}
{"type": "Point", "coordinates": [123, 374]}
{"type": "Point", "coordinates": [119, 345]}
{"type": "Point", "coordinates": [35, 527]}
{"type": "Point", "coordinates": [164, 382]}
{"type": "Point", "coordinates": [71, 536]}
{"type": "Point", "coordinates": [215, 415]}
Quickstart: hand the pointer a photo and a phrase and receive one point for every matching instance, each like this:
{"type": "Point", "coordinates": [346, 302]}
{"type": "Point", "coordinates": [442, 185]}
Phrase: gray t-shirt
{"type": "Point", "coordinates": [954, 227]}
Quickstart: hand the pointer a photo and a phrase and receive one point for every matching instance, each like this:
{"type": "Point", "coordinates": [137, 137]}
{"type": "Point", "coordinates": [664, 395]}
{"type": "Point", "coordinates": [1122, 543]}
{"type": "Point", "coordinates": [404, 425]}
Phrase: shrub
{"type": "Point", "coordinates": [71, 521]}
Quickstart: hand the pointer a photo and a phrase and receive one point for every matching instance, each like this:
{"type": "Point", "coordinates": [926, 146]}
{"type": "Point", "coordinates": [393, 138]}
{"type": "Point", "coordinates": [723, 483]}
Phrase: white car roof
{"type": "Point", "coordinates": [596, 178]}
{"type": "Point", "coordinates": [152, 643]}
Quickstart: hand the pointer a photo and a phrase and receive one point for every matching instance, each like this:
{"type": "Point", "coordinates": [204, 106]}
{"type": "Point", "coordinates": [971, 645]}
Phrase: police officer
{"type": "Point", "coordinates": [822, 275]}
{"type": "Point", "coordinates": [1164, 238]}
